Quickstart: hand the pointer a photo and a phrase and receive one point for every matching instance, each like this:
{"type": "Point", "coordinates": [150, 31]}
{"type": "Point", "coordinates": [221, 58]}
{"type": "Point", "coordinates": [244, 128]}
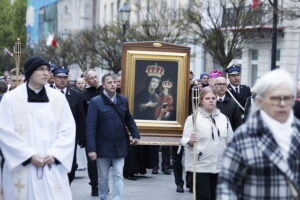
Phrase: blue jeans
{"type": "Point", "coordinates": [103, 165]}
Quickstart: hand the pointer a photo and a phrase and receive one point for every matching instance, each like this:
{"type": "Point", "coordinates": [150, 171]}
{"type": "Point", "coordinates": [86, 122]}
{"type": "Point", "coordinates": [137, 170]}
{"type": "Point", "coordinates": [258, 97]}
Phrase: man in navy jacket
{"type": "Point", "coordinates": [106, 136]}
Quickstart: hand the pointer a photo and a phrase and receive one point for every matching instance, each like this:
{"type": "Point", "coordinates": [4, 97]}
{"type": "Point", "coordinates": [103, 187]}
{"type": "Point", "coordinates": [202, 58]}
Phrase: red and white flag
{"type": "Point", "coordinates": [51, 41]}
{"type": "Point", "coordinates": [5, 50]}
{"type": "Point", "coordinates": [255, 3]}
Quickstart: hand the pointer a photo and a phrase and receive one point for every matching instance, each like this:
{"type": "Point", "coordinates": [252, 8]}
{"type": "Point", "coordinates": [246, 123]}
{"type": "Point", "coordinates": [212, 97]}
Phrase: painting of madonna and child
{"type": "Point", "coordinates": [155, 93]}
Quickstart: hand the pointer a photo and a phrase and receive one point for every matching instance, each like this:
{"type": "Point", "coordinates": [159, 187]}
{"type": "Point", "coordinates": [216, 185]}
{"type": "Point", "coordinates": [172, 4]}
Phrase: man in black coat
{"type": "Point", "coordinates": [93, 89]}
{"type": "Point", "coordinates": [74, 99]}
{"type": "Point", "coordinates": [226, 105]}
{"type": "Point", "coordinates": [241, 93]}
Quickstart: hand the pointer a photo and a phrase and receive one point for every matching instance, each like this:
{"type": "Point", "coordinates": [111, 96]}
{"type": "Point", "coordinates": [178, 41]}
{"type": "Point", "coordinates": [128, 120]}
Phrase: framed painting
{"type": "Point", "coordinates": [155, 81]}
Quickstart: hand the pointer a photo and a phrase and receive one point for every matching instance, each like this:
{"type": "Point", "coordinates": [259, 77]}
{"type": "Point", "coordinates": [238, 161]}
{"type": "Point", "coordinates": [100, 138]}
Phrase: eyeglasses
{"type": "Point", "coordinates": [221, 84]}
{"type": "Point", "coordinates": [278, 99]}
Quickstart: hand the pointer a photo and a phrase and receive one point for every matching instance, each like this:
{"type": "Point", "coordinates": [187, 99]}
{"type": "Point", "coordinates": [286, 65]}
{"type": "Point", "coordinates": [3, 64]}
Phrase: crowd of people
{"type": "Point", "coordinates": [246, 141]}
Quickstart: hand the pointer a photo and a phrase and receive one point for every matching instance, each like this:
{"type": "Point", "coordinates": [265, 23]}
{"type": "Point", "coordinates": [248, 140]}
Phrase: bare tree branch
{"type": "Point", "coordinates": [221, 26]}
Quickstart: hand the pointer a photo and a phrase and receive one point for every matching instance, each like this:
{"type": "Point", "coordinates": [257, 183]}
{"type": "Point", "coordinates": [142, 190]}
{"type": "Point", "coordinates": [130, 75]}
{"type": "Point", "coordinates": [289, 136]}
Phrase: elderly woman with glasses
{"type": "Point", "coordinates": [263, 159]}
{"type": "Point", "coordinates": [213, 132]}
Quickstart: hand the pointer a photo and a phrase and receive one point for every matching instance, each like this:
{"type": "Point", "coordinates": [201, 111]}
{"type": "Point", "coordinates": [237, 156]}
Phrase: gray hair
{"type": "Point", "coordinates": [113, 76]}
{"type": "Point", "coordinates": [87, 72]}
{"type": "Point", "coordinates": [270, 81]}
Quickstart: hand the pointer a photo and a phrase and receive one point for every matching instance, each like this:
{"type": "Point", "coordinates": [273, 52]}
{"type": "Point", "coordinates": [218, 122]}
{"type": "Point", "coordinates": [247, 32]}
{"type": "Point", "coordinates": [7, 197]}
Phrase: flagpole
{"type": "Point", "coordinates": [274, 34]}
{"type": "Point", "coordinates": [17, 54]}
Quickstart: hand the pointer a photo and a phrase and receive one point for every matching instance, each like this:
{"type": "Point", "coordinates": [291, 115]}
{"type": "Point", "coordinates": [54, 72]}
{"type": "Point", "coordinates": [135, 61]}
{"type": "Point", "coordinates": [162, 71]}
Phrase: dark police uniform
{"type": "Point", "coordinates": [244, 93]}
{"type": "Point", "coordinates": [74, 99]}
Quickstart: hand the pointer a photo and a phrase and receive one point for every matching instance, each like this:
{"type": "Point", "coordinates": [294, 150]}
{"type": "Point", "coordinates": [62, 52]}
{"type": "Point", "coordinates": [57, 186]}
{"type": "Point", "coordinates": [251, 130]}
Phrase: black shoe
{"type": "Point", "coordinates": [155, 171]}
{"type": "Point", "coordinates": [179, 189]}
{"type": "Point", "coordinates": [95, 192]}
{"type": "Point", "coordinates": [166, 171]}
{"type": "Point", "coordinates": [132, 178]}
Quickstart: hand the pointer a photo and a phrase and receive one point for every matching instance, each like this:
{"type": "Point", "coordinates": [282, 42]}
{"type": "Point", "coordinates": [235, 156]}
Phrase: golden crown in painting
{"type": "Point", "coordinates": [167, 84]}
{"type": "Point", "coordinates": [155, 70]}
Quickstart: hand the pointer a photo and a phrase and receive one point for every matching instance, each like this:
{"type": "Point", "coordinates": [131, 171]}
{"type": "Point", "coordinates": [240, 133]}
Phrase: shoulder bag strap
{"type": "Point", "coordinates": [120, 116]}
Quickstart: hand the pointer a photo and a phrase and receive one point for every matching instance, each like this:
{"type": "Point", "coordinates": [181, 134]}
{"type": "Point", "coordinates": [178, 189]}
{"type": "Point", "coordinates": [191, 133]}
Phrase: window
{"type": "Point", "coordinates": [104, 15]}
{"type": "Point", "coordinates": [277, 54]}
{"type": "Point", "coordinates": [47, 20]}
{"type": "Point", "coordinates": [112, 12]}
{"type": "Point", "coordinates": [253, 74]}
{"type": "Point", "coordinates": [254, 54]}
{"type": "Point", "coordinates": [118, 5]}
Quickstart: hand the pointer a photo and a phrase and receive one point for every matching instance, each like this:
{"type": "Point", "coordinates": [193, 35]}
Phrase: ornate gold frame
{"type": "Point", "coordinates": [153, 52]}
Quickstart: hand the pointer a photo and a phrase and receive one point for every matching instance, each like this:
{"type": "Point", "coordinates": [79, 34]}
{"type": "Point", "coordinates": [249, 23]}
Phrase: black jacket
{"type": "Point", "coordinates": [243, 97]}
{"type": "Point", "coordinates": [88, 94]}
{"type": "Point", "coordinates": [229, 108]}
{"type": "Point", "coordinates": [297, 109]}
{"type": "Point", "coordinates": [76, 105]}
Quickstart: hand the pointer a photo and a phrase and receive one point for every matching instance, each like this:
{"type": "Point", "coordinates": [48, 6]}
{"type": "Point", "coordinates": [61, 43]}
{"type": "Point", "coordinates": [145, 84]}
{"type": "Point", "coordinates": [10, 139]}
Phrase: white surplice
{"type": "Point", "coordinates": [28, 128]}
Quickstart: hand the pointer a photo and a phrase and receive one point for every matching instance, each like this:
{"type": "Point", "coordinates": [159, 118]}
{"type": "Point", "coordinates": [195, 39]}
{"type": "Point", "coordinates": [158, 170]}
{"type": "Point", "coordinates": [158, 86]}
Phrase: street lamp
{"type": "Point", "coordinates": [274, 34]}
{"type": "Point", "coordinates": [125, 15]}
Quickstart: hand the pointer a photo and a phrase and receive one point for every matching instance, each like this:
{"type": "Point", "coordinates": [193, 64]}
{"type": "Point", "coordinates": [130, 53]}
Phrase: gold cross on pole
{"type": "Point", "coordinates": [19, 185]}
{"type": "Point", "coordinates": [195, 106]}
{"type": "Point", "coordinates": [20, 130]}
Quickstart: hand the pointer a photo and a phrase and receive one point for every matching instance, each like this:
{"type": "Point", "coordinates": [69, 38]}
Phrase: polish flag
{"type": "Point", "coordinates": [5, 50]}
{"type": "Point", "coordinates": [255, 3]}
{"type": "Point", "coordinates": [51, 41]}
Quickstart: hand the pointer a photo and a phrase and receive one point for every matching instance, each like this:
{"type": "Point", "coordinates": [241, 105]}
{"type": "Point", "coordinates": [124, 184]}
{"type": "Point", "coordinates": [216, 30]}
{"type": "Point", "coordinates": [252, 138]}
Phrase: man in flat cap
{"type": "Point", "coordinates": [241, 94]}
{"type": "Point", "coordinates": [37, 134]}
{"type": "Point", "coordinates": [61, 79]}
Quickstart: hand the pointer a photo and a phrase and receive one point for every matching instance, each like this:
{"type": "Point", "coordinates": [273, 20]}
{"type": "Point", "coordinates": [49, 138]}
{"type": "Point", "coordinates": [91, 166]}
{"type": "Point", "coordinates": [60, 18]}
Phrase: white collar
{"type": "Point", "coordinates": [222, 97]}
{"type": "Point", "coordinates": [65, 89]}
{"type": "Point", "coordinates": [234, 86]}
{"type": "Point", "coordinates": [282, 132]}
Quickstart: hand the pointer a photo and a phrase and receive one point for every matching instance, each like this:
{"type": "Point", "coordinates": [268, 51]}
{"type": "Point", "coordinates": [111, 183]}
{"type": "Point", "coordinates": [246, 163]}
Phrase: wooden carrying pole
{"type": "Point", "coordinates": [17, 55]}
{"type": "Point", "coordinates": [195, 106]}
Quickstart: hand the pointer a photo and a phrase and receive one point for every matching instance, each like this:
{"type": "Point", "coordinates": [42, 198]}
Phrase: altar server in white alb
{"type": "Point", "coordinates": [37, 134]}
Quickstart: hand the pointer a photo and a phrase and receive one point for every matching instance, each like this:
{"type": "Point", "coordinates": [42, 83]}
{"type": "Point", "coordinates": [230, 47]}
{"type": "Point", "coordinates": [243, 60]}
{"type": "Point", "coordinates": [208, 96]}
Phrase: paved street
{"type": "Point", "coordinates": [147, 187]}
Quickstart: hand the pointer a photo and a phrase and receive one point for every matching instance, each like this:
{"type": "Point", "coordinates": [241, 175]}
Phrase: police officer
{"type": "Point", "coordinates": [241, 93]}
{"type": "Point", "coordinates": [60, 75]}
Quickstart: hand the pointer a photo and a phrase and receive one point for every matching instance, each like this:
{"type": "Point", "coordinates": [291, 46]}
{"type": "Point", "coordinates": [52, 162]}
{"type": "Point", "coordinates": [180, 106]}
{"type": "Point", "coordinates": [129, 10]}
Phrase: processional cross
{"type": "Point", "coordinates": [19, 186]}
{"type": "Point", "coordinates": [195, 106]}
{"type": "Point", "coordinates": [20, 130]}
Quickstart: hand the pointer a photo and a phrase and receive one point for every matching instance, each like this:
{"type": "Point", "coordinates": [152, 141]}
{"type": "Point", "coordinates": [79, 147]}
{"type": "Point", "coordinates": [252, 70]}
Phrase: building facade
{"type": "Point", "coordinates": [68, 16]}
{"type": "Point", "coordinates": [255, 58]}
{"type": "Point", "coordinates": [41, 19]}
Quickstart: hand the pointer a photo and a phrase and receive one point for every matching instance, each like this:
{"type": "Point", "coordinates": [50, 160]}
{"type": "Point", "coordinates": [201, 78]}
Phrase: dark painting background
{"type": "Point", "coordinates": [171, 74]}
